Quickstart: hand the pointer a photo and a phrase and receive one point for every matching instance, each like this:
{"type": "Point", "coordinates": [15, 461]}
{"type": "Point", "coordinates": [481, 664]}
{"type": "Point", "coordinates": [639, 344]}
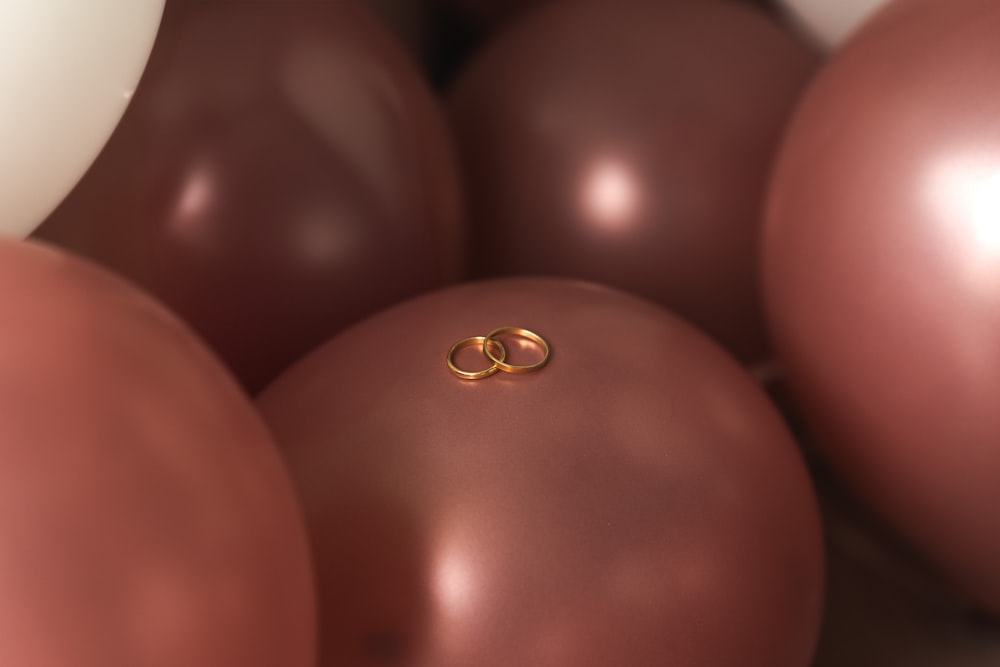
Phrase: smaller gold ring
{"type": "Point", "coordinates": [523, 333]}
{"type": "Point", "coordinates": [484, 344]}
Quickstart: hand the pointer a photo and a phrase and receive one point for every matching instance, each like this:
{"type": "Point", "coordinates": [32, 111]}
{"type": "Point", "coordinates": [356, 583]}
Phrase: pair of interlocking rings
{"type": "Point", "coordinates": [496, 353]}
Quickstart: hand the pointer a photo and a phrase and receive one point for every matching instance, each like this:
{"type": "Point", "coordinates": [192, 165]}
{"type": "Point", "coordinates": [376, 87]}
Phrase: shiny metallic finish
{"type": "Point", "coordinates": [478, 343]}
{"type": "Point", "coordinates": [629, 143]}
{"type": "Point", "coordinates": [281, 173]}
{"type": "Point", "coordinates": [145, 515]}
{"type": "Point", "coordinates": [882, 258]}
{"type": "Point", "coordinates": [635, 502]}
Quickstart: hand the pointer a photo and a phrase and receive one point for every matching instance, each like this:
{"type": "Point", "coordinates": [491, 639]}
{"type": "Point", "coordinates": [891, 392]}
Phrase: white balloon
{"type": "Point", "coordinates": [67, 71]}
{"type": "Point", "coordinates": [830, 22]}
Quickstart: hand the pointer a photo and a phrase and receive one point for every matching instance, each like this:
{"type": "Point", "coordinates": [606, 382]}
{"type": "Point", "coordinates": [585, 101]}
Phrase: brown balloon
{"type": "Point", "coordinates": [629, 143]}
{"type": "Point", "coordinates": [882, 259]}
{"type": "Point", "coordinates": [281, 172]}
{"type": "Point", "coordinates": [637, 501]}
{"type": "Point", "coordinates": [410, 20]}
{"type": "Point", "coordinates": [145, 515]}
{"type": "Point", "coordinates": [490, 13]}
{"type": "Point", "coordinates": [494, 13]}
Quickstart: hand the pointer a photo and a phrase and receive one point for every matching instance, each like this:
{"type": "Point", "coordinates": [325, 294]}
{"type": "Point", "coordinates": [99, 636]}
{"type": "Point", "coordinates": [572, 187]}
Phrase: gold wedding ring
{"type": "Point", "coordinates": [499, 362]}
{"type": "Point", "coordinates": [496, 353]}
{"type": "Point", "coordinates": [484, 344]}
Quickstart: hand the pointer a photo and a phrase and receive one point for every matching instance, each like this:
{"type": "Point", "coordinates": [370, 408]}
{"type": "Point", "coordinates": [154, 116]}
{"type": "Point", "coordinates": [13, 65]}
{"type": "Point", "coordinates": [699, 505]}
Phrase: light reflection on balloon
{"type": "Point", "coordinates": [966, 187]}
{"type": "Point", "coordinates": [454, 581]}
{"type": "Point", "coordinates": [610, 195]}
{"type": "Point", "coordinates": [195, 197]}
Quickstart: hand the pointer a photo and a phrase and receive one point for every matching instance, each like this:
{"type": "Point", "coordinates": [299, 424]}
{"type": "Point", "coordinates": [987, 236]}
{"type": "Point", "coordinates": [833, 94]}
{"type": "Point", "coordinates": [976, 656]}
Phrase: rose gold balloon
{"type": "Point", "coordinates": [883, 275]}
{"type": "Point", "coordinates": [885, 606]}
{"type": "Point", "coordinates": [635, 502]}
{"type": "Point", "coordinates": [145, 516]}
{"type": "Point", "coordinates": [282, 172]}
{"type": "Point", "coordinates": [629, 143]}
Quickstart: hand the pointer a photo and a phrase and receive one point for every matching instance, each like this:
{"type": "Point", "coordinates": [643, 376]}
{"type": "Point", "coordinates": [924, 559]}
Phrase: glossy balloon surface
{"type": "Point", "coordinates": [882, 258]}
{"type": "Point", "coordinates": [635, 502]}
{"type": "Point", "coordinates": [67, 71]}
{"type": "Point", "coordinates": [629, 143]}
{"type": "Point", "coordinates": [830, 22]}
{"type": "Point", "coordinates": [145, 514]}
{"type": "Point", "coordinates": [282, 172]}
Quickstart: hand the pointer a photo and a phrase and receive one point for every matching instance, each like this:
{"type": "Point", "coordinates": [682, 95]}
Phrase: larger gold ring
{"type": "Point", "coordinates": [478, 341]}
{"type": "Point", "coordinates": [523, 333]}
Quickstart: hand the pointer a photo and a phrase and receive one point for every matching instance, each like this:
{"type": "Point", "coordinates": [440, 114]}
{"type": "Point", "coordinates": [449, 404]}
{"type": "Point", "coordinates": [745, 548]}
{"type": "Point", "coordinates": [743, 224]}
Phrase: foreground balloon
{"type": "Point", "coordinates": [830, 22]}
{"type": "Point", "coordinates": [282, 172]}
{"type": "Point", "coordinates": [145, 515]}
{"type": "Point", "coordinates": [67, 71]}
{"type": "Point", "coordinates": [636, 501]}
{"type": "Point", "coordinates": [629, 143]}
{"type": "Point", "coordinates": [883, 275]}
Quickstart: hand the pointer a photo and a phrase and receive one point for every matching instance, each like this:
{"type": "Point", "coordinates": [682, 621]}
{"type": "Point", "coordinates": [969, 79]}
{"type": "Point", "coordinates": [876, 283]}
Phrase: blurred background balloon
{"type": "Point", "coordinates": [67, 71]}
{"type": "Point", "coordinates": [629, 143]}
{"type": "Point", "coordinates": [411, 20]}
{"type": "Point", "coordinates": [443, 34]}
{"type": "Point", "coordinates": [637, 501]}
{"type": "Point", "coordinates": [282, 172]}
{"type": "Point", "coordinates": [882, 274]}
{"type": "Point", "coordinates": [830, 22]}
{"type": "Point", "coordinates": [885, 606]}
{"type": "Point", "coordinates": [495, 12]}
{"type": "Point", "coordinates": [145, 514]}
{"type": "Point", "coordinates": [491, 12]}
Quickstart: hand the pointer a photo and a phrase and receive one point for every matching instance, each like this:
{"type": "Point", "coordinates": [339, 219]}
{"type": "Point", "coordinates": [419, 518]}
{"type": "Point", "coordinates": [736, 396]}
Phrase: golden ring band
{"type": "Point", "coordinates": [476, 341]}
{"type": "Point", "coordinates": [496, 353]}
{"type": "Point", "coordinates": [522, 333]}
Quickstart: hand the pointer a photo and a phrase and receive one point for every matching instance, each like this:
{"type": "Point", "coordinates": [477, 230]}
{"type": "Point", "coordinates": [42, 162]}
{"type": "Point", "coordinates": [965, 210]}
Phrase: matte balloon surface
{"type": "Point", "coordinates": [67, 71]}
{"type": "Point", "coordinates": [882, 275]}
{"type": "Point", "coordinates": [629, 143]}
{"type": "Point", "coordinates": [145, 515]}
{"type": "Point", "coordinates": [635, 502]}
{"type": "Point", "coordinates": [830, 22]}
{"type": "Point", "coordinates": [282, 172]}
